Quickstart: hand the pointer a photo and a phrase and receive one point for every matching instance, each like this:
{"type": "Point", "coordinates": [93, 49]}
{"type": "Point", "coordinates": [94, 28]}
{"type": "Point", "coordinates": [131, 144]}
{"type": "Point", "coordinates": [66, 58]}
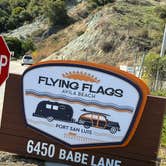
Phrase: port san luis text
{"type": "Point", "coordinates": [84, 87]}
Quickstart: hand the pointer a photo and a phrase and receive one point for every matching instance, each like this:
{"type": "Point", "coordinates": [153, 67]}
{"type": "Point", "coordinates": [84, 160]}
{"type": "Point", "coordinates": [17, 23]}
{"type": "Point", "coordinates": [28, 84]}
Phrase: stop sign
{"type": "Point", "coordinates": [4, 60]}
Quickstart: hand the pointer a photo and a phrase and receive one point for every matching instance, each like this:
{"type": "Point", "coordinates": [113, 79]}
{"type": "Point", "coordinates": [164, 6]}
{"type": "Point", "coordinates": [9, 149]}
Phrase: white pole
{"type": "Point", "coordinates": [142, 64]}
{"type": "Point", "coordinates": [163, 48]}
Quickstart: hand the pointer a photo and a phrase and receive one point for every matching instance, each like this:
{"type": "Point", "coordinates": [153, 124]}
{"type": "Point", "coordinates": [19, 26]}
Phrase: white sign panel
{"type": "Point", "coordinates": [82, 105]}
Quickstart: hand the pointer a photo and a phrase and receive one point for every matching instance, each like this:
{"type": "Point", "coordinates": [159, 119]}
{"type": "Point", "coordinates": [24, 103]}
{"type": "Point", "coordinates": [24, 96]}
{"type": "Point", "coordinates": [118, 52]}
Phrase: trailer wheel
{"type": "Point", "coordinates": [68, 117]}
{"type": "Point", "coordinates": [113, 130]}
{"type": "Point", "coordinates": [87, 125]}
{"type": "Point", "coordinates": [50, 118]}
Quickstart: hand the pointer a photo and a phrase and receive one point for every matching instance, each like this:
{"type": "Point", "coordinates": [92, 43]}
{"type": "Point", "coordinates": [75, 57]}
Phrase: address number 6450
{"type": "Point", "coordinates": [41, 148]}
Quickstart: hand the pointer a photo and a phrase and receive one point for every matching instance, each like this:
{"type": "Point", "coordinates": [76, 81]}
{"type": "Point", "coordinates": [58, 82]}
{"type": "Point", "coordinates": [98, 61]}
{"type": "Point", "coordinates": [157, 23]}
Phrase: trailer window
{"type": "Point", "coordinates": [95, 117]}
{"type": "Point", "coordinates": [55, 107]}
{"type": "Point", "coordinates": [62, 107]}
{"type": "Point", "coordinates": [102, 118]}
{"type": "Point", "coordinates": [48, 106]}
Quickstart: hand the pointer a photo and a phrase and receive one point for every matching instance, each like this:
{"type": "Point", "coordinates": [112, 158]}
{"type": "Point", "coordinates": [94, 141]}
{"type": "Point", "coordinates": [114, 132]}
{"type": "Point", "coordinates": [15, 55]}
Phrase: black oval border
{"type": "Point", "coordinates": [91, 68]}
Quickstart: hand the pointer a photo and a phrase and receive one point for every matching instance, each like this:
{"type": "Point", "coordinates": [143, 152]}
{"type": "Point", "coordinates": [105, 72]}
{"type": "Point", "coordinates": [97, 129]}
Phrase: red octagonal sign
{"type": "Point", "coordinates": [4, 60]}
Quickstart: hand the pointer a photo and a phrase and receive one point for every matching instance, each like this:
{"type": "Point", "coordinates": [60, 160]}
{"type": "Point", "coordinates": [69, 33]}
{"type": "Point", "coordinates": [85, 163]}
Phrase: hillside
{"type": "Point", "coordinates": [110, 31]}
{"type": "Point", "coordinates": [113, 33]}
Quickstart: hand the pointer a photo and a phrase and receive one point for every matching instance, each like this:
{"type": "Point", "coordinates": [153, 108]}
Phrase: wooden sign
{"type": "Point", "coordinates": [20, 134]}
{"type": "Point", "coordinates": [88, 105]}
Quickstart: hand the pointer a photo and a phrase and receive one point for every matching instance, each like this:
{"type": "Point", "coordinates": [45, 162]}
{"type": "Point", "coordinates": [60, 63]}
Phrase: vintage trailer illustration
{"type": "Point", "coordinates": [63, 112]}
{"type": "Point", "coordinates": [54, 110]}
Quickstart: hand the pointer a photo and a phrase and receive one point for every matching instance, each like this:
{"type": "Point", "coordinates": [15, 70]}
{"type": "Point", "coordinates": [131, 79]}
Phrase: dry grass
{"type": "Point", "coordinates": [162, 155]}
{"type": "Point", "coordinates": [57, 41]}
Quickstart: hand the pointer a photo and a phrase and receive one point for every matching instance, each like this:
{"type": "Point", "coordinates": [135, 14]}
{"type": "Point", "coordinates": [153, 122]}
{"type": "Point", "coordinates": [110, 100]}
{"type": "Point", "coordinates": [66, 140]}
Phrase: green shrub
{"type": "Point", "coordinates": [2, 23]}
{"type": "Point", "coordinates": [139, 2]}
{"type": "Point", "coordinates": [100, 2]}
{"type": "Point", "coordinates": [25, 16]}
{"type": "Point", "coordinates": [35, 8]}
{"type": "Point", "coordinates": [79, 33]}
{"type": "Point", "coordinates": [15, 45]}
{"type": "Point", "coordinates": [11, 23]}
{"type": "Point", "coordinates": [5, 6]}
{"type": "Point", "coordinates": [108, 46]}
{"type": "Point", "coordinates": [92, 5]}
{"type": "Point", "coordinates": [163, 136]}
{"type": "Point", "coordinates": [20, 47]}
{"type": "Point", "coordinates": [153, 63]}
{"type": "Point", "coordinates": [160, 93]}
{"type": "Point", "coordinates": [3, 13]}
{"type": "Point", "coordinates": [18, 17]}
{"type": "Point", "coordinates": [161, 11]}
{"type": "Point", "coordinates": [27, 45]}
{"type": "Point", "coordinates": [19, 3]}
{"type": "Point", "coordinates": [56, 12]}
{"type": "Point", "coordinates": [16, 11]}
{"type": "Point", "coordinates": [144, 33]}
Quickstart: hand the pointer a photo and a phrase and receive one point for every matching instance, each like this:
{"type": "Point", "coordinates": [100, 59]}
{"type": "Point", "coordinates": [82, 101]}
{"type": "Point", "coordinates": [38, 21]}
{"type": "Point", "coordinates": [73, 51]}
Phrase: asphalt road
{"type": "Point", "coordinates": [15, 67]}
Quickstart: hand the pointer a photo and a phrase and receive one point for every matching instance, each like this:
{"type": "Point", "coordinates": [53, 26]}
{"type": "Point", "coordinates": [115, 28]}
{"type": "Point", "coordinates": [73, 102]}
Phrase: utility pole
{"type": "Point", "coordinates": [135, 62]}
{"type": "Point", "coordinates": [142, 63]}
{"type": "Point", "coordinates": [163, 48]}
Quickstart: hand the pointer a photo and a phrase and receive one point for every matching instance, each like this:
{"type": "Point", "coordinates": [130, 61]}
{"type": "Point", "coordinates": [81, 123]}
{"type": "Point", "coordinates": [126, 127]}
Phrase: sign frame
{"type": "Point", "coordinates": [137, 83]}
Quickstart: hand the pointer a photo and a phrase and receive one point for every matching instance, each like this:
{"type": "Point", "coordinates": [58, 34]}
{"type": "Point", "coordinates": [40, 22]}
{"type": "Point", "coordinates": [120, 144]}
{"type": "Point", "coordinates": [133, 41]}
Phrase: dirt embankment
{"type": "Point", "coordinates": [113, 34]}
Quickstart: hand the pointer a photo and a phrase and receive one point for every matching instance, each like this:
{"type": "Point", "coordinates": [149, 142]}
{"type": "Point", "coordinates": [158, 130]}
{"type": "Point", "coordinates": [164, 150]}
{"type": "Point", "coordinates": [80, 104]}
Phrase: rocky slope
{"type": "Point", "coordinates": [115, 33]}
{"type": "Point", "coordinates": [27, 30]}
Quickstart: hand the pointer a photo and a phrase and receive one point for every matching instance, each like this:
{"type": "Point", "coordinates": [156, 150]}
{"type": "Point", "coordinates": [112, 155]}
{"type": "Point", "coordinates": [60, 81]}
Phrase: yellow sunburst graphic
{"type": "Point", "coordinates": [82, 76]}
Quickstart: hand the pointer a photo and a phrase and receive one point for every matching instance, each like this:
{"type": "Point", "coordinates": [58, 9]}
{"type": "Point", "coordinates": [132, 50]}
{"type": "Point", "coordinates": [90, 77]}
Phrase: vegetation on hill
{"type": "Point", "coordinates": [153, 63]}
{"type": "Point", "coordinates": [119, 32]}
{"type": "Point", "coordinates": [163, 137]}
{"type": "Point", "coordinates": [19, 46]}
{"type": "Point", "coordinates": [56, 12]}
{"type": "Point", "coordinates": [14, 13]}
{"type": "Point", "coordinates": [116, 30]}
